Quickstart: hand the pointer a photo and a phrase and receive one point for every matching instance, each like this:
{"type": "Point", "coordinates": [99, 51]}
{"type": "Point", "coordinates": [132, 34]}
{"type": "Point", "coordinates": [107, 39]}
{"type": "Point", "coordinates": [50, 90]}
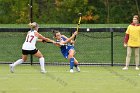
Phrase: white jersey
{"type": "Point", "coordinates": [30, 41]}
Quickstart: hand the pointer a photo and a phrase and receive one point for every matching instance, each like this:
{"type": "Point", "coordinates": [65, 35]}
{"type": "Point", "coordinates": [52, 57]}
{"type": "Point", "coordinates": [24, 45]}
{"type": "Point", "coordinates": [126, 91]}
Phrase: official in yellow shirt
{"type": "Point", "coordinates": [132, 41]}
{"type": "Point", "coordinates": [134, 35]}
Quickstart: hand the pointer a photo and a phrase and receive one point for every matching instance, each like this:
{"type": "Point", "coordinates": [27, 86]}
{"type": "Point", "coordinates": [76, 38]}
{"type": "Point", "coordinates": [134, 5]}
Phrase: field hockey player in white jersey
{"type": "Point", "coordinates": [29, 47]}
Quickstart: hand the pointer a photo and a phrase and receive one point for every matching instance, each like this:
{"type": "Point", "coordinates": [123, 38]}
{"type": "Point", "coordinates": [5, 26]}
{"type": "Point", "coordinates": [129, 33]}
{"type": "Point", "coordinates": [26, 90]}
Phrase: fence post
{"type": "Point", "coordinates": [31, 20]}
{"type": "Point", "coordinates": [111, 30]}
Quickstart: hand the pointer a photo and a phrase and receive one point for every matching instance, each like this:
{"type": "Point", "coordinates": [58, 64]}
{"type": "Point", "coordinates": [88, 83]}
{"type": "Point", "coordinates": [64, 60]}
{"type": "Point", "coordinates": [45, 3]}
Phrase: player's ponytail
{"type": "Point", "coordinates": [33, 25]}
{"type": "Point", "coordinates": [54, 32]}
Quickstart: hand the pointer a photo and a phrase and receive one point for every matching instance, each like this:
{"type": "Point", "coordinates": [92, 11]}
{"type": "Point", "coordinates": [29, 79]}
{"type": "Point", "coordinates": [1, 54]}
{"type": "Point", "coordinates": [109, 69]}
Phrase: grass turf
{"type": "Point", "coordinates": [91, 79]}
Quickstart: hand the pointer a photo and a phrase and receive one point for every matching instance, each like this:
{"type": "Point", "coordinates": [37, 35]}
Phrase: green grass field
{"type": "Point", "coordinates": [91, 79]}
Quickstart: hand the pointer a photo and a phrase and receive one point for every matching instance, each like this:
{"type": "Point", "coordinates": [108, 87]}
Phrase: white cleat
{"type": "Point", "coordinates": [71, 71]}
{"type": "Point", "coordinates": [125, 68]}
{"type": "Point", "coordinates": [11, 68]}
{"type": "Point", "coordinates": [137, 68]}
{"type": "Point", "coordinates": [77, 69]}
{"type": "Point", "coordinates": [43, 71]}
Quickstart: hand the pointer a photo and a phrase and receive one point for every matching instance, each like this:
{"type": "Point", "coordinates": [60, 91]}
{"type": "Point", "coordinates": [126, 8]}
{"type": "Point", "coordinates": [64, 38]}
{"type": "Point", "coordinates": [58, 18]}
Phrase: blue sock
{"type": "Point", "coordinates": [71, 63]}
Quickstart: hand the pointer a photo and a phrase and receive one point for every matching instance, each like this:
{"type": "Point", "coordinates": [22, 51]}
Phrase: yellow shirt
{"type": "Point", "coordinates": [134, 36]}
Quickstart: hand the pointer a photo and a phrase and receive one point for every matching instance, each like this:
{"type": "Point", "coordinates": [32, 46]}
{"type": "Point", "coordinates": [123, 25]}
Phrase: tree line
{"type": "Point", "coordinates": [66, 11]}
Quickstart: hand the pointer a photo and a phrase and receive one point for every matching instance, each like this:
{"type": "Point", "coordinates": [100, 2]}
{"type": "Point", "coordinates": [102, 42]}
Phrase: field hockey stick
{"type": "Point", "coordinates": [78, 25]}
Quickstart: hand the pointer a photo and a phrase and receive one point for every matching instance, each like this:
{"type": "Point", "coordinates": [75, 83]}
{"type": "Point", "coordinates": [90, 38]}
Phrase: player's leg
{"type": "Point", "coordinates": [19, 61]}
{"type": "Point", "coordinates": [129, 50]}
{"type": "Point", "coordinates": [41, 60]}
{"type": "Point", "coordinates": [75, 62]}
{"type": "Point", "coordinates": [71, 59]}
{"type": "Point", "coordinates": [76, 65]}
{"type": "Point", "coordinates": [137, 58]}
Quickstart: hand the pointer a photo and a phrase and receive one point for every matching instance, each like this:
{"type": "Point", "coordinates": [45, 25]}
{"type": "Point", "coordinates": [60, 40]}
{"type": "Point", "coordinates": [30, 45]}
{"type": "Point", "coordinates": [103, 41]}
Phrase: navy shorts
{"type": "Point", "coordinates": [32, 52]}
{"type": "Point", "coordinates": [65, 53]}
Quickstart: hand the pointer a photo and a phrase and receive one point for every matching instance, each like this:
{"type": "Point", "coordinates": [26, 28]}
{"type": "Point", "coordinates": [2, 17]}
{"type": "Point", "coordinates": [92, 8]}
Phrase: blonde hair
{"type": "Point", "coordinates": [33, 25]}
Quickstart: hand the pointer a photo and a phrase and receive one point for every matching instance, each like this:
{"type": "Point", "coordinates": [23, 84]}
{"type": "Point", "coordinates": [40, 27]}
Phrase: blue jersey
{"type": "Point", "coordinates": [65, 48]}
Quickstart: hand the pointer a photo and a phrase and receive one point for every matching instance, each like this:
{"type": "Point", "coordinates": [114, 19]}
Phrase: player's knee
{"type": "Point", "coordinates": [24, 59]}
{"type": "Point", "coordinates": [41, 57]}
{"type": "Point", "coordinates": [70, 56]}
{"type": "Point", "coordinates": [76, 63]}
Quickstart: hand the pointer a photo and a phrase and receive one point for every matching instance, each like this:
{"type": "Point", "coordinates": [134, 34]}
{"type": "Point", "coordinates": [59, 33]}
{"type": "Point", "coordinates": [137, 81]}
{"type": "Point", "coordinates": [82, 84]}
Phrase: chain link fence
{"type": "Point", "coordinates": [103, 46]}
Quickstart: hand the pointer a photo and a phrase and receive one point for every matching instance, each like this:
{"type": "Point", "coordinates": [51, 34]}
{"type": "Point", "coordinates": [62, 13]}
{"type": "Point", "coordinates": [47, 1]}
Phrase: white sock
{"type": "Point", "coordinates": [42, 63]}
{"type": "Point", "coordinates": [18, 62]}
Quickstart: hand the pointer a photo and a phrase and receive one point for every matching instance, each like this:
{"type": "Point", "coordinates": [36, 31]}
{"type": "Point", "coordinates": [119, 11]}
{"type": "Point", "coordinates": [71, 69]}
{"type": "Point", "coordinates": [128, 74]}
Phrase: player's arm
{"type": "Point", "coordinates": [72, 42]}
{"type": "Point", "coordinates": [39, 40]}
{"type": "Point", "coordinates": [69, 39]}
{"type": "Point", "coordinates": [43, 38]}
{"type": "Point", "coordinates": [57, 44]}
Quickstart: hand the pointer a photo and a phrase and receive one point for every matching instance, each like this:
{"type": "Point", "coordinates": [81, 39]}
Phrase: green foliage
{"type": "Point", "coordinates": [122, 11]}
{"type": "Point", "coordinates": [66, 11]}
{"type": "Point", "coordinates": [14, 11]}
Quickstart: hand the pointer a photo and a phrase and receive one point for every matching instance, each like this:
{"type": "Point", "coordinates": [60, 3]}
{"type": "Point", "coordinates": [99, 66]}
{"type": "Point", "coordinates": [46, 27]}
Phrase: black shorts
{"type": "Point", "coordinates": [32, 52]}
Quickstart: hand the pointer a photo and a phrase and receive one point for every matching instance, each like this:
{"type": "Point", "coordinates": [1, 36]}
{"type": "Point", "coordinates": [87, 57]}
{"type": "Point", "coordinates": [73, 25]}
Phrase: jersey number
{"type": "Point", "coordinates": [30, 38]}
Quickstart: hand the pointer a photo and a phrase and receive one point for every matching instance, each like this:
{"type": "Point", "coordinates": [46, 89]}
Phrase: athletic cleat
{"type": "Point", "coordinates": [77, 69]}
{"type": "Point", "coordinates": [71, 71]}
{"type": "Point", "coordinates": [43, 71]}
{"type": "Point", "coordinates": [137, 68]}
{"type": "Point", "coordinates": [11, 68]}
{"type": "Point", "coordinates": [125, 68]}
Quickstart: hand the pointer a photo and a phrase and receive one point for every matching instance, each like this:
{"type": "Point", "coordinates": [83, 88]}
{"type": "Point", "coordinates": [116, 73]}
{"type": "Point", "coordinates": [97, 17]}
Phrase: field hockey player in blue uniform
{"type": "Point", "coordinates": [67, 49]}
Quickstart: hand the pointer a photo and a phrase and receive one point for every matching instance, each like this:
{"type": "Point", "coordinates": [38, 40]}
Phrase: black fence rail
{"type": "Point", "coordinates": [65, 29]}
